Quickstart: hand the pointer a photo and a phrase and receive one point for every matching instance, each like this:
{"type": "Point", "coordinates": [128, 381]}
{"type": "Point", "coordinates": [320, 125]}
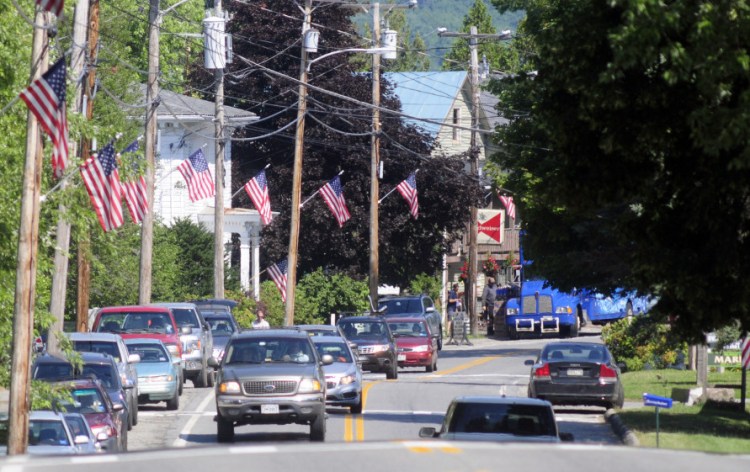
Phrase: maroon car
{"type": "Point", "coordinates": [416, 345]}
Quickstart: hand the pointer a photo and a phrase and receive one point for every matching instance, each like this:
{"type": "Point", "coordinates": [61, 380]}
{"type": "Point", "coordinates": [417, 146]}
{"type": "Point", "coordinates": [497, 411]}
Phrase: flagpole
{"type": "Point", "coordinates": [243, 187]}
{"type": "Point", "coordinates": [392, 190]}
{"type": "Point", "coordinates": [317, 191]}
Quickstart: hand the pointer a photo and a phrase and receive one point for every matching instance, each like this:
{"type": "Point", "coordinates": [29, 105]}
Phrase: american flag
{"type": "Point", "coordinates": [278, 274]}
{"type": "Point", "coordinates": [745, 351]}
{"type": "Point", "coordinates": [334, 197]}
{"type": "Point", "coordinates": [257, 190]}
{"type": "Point", "coordinates": [510, 207]}
{"type": "Point", "coordinates": [197, 175]}
{"type": "Point", "coordinates": [135, 191]}
{"type": "Point", "coordinates": [102, 181]}
{"type": "Point", "coordinates": [408, 190]}
{"type": "Point", "coordinates": [45, 98]}
{"type": "Point", "coordinates": [55, 6]}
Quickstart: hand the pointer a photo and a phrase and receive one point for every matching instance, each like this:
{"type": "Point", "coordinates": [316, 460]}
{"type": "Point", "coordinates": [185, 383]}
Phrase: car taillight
{"type": "Point", "coordinates": [542, 372]}
{"type": "Point", "coordinates": [607, 374]}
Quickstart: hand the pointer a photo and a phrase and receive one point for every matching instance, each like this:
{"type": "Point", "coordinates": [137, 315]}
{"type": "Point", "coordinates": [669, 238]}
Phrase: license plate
{"type": "Point", "coordinates": [402, 357]}
{"type": "Point", "coordinates": [575, 372]}
{"type": "Point", "coordinates": [269, 409]}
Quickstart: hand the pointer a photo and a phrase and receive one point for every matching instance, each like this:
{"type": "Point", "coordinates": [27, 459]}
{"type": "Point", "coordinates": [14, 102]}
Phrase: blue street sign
{"type": "Point", "coordinates": [655, 400]}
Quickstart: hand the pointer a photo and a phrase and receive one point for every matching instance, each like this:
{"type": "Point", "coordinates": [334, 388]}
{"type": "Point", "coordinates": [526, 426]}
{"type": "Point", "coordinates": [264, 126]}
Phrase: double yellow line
{"type": "Point", "coordinates": [354, 425]}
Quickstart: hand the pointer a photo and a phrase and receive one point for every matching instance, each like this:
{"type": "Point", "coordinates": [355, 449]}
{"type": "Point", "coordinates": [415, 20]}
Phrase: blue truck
{"type": "Point", "coordinates": [602, 309]}
{"type": "Point", "coordinates": [542, 310]}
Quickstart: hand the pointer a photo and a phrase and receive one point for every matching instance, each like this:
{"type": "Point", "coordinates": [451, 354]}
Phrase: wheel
{"type": "Point", "coordinates": [573, 329]}
{"type": "Point", "coordinates": [130, 418]}
{"type": "Point", "coordinates": [135, 411]}
{"type": "Point", "coordinates": [211, 378]}
{"type": "Point", "coordinates": [430, 367]}
{"type": "Point", "coordinates": [392, 373]}
{"type": "Point", "coordinates": [224, 430]}
{"type": "Point", "coordinates": [620, 402]}
{"type": "Point", "coordinates": [318, 428]}
{"type": "Point", "coordinates": [581, 316]}
{"type": "Point", "coordinates": [512, 333]}
{"type": "Point", "coordinates": [434, 366]}
{"type": "Point", "coordinates": [173, 403]}
{"type": "Point", "coordinates": [200, 380]}
{"type": "Point", "coordinates": [357, 409]}
{"type": "Point", "coordinates": [440, 339]}
{"type": "Point", "coordinates": [124, 440]}
{"type": "Point", "coordinates": [180, 383]}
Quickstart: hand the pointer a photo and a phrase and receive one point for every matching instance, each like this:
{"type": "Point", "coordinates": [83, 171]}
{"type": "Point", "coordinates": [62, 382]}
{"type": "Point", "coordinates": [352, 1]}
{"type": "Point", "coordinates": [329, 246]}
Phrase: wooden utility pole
{"type": "Point", "coordinates": [28, 238]}
{"type": "Point", "coordinates": [374, 162]}
{"type": "Point", "coordinates": [62, 248]}
{"type": "Point", "coordinates": [219, 171]}
{"type": "Point", "coordinates": [84, 243]}
{"type": "Point", "coordinates": [474, 152]}
{"type": "Point", "coordinates": [297, 176]}
{"type": "Point", "coordinates": [152, 94]}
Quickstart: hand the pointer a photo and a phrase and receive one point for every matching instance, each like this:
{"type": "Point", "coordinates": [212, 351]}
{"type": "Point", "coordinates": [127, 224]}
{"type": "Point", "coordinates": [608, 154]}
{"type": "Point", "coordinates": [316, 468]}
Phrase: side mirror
{"type": "Point", "coordinates": [528, 362]}
{"type": "Point", "coordinates": [117, 406]}
{"type": "Point", "coordinates": [128, 384]}
{"type": "Point", "coordinates": [186, 330]}
{"type": "Point", "coordinates": [566, 437]}
{"type": "Point", "coordinates": [327, 359]}
{"type": "Point", "coordinates": [212, 362]}
{"type": "Point", "coordinates": [81, 439]}
{"type": "Point", "coordinates": [429, 309]}
{"type": "Point", "coordinates": [134, 358]}
{"type": "Point", "coordinates": [427, 432]}
{"type": "Point", "coordinates": [102, 437]}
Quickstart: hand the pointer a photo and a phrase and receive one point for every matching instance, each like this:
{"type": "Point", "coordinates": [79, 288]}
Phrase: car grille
{"type": "Point", "coordinates": [331, 384]}
{"type": "Point", "coordinates": [269, 387]}
{"type": "Point", "coordinates": [405, 349]}
{"type": "Point", "coordinates": [366, 350]}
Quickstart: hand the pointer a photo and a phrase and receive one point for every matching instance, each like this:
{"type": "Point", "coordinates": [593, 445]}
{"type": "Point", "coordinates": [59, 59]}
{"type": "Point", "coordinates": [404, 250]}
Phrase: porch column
{"type": "Point", "coordinates": [256, 261]}
{"type": "Point", "coordinates": [245, 260]}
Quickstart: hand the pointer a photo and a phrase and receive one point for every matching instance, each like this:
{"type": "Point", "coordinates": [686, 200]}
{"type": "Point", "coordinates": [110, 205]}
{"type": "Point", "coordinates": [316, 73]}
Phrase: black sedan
{"type": "Point", "coordinates": [576, 373]}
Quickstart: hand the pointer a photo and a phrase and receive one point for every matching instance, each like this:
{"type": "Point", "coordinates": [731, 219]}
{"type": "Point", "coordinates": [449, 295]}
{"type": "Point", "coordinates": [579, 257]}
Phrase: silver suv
{"type": "Point", "coordinates": [113, 344]}
{"type": "Point", "coordinates": [197, 346]}
{"type": "Point", "coordinates": [271, 376]}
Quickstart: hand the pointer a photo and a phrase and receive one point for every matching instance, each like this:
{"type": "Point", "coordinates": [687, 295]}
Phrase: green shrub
{"type": "Point", "coordinates": [643, 343]}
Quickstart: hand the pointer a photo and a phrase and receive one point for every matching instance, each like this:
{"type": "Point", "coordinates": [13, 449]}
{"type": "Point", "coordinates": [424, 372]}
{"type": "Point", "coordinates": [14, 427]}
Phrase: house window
{"type": "Point", "coordinates": [456, 121]}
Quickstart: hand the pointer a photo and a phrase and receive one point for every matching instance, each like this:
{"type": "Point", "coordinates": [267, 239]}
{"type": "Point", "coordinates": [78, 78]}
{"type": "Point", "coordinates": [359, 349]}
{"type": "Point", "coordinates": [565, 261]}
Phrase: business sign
{"type": "Point", "coordinates": [655, 400]}
{"type": "Point", "coordinates": [490, 226]}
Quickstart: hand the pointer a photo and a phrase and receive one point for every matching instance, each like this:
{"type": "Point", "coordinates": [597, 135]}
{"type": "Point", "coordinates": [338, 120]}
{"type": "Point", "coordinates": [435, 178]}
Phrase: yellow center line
{"type": "Point", "coordinates": [468, 365]}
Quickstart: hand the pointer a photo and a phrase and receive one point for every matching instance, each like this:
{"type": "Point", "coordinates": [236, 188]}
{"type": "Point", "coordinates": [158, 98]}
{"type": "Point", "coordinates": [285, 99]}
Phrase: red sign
{"type": "Point", "coordinates": [490, 227]}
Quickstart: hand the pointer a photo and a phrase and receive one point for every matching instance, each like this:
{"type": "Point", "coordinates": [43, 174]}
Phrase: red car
{"type": "Point", "coordinates": [141, 321]}
{"type": "Point", "coordinates": [417, 347]}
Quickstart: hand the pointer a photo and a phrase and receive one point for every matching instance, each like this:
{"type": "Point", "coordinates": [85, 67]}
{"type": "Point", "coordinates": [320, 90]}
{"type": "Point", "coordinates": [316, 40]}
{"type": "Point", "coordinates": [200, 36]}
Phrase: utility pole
{"type": "Point", "coordinates": [60, 275]}
{"type": "Point", "coordinates": [219, 171]}
{"type": "Point", "coordinates": [28, 239]}
{"type": "Point", "coordinates": [375, 161]}
{"type": "Point", "coordinates": [297, 175]}
{"type": "Point", "coordinates": [84, 243]}
{"type": "Point", "coordinates": [152, 94]}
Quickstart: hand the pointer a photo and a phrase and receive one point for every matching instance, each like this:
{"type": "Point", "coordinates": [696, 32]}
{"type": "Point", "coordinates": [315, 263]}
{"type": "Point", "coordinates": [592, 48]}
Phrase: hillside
{"type": "Point", "coordinates": [432, 14]}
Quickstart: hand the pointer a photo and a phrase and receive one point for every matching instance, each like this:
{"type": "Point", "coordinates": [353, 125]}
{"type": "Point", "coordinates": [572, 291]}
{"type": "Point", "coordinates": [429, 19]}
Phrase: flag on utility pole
{"type": "Point", "coordinates": [135, 191]}
{"type": "Point", "coordinates": [257, 190]}
{"type": "Point", "coordinates": [510, 207]}
{"type": "Point", "coordinates": [197, 176]}
{"type": "Point", "coordinates": [278, 275]}
{"type": "Point", "coordinates": [408, 190]}
{"type": "Point", "coordinates": [54, 6]}
{"type": "Point", "coordinates": [45, 98]}
{"type": "Point", "coordinates": [333, 195]}
{"type": "Point", "coordinates": [102, 181]}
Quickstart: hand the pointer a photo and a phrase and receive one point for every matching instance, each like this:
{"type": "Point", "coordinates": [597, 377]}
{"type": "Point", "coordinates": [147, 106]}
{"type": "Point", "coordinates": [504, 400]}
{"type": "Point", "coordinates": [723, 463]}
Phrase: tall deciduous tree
{"type": "Point", "coordinates": [630, 151]}
{"type": "Point", "coordinates": [267, 42]}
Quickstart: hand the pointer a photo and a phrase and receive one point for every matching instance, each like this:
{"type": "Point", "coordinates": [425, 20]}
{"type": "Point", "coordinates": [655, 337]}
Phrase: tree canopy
{"type": "Point", "coordinates": [628, 150]}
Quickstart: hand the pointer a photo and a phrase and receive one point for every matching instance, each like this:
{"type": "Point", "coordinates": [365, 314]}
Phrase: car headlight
{"type": "Point", "coordinates": [346, 380]}
{"type": "Point", "coordinates": [423, 348]}
{"type": "Point", "coordinates": [511, 311]}
{"type": "Point", "coordinates": [563, 310]}
{"type": "Point", "coordinates": [173, 349]}
{"type": "Point", "coordinates": [380, 348]}
{"type": "Point", "coordinates": [229, 387]}
{"type": "Point", "coordinates": [103, 429]}
{"type": "Point", "coordinates": [161, 378]}
{"type": "Point", "coordinates": [192, 345]}
{"type": "Point", "coordinates": [310, 386]}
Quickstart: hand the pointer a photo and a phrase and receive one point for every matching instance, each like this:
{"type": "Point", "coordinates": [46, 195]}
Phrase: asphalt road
{"type": "Point", "coordinates": [393, 410]}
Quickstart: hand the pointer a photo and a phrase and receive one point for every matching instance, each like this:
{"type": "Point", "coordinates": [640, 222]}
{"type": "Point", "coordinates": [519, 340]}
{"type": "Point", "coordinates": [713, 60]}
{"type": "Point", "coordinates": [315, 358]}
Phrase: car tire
{"type": "Point", "coordinates": [440, 340]}
{"type": "Point", "coordinates": [512, 333]}
{"type": "Point", "coordinates": [224, 430]}
{"type": "Point", "coordinates": [180, 383]}
{"type": "Point", "coordinates": [357, 409]}
{"type": "Point", "coordinates": [574, 329]}
{"type": "Point", "coordinates": [135, 411]}
{"type": "Point", "coordinates": [173, 403]}
{"type": "Point", "coordinates": [200, 380]}
{"type": "Point", "coordinates": [130, 418]}
{"type": "Point", "coordinates": [392, 372]}
{"type": "Point", "coordinates": [318, 428]}
{"type": "Point", "coordinates": [124, 441]}
{"type": "Point", "coordinates": [211, 378]}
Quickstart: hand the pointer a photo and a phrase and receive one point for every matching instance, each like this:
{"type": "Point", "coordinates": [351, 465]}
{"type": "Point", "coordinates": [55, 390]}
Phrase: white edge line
{"type": "Point", "coordinates": [179, 442]}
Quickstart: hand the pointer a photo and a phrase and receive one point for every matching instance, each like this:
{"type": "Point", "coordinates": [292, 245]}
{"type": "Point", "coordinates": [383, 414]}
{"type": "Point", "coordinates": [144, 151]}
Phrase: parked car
{"type": "Point", "coordinates": [101, 366]}
{"type": "Point", "coordinates": [343, 375]}
{"type": "Point", "coordinates": [158, 372]}
{"type": "Point", "coordinates": [498, 418]}
{"type": "Point", "coordinates": [142, 321]}
{"type": "Point", "coordinates": [223, 326]}
{"type": "Point", "coordinates": [215, 305]}
{"type": "Point", "coordinates": [376, 345]}
{"type": "Point", "coordinates": [410, 305]}
{"type": "Point", "coordinates": [321, 330]}
{"type": "Point", "coordinates": [271, 376]}
{"type": "Point", "coordinates": [576, 373]}
{"type": "Point", "coordinates": [197, 346]}
{"type": "Point", "coordinates": [79, 426]}
{"type": "Point", "coordinates": [415, 343]}
{"type": "Point", "coordinates": [49, 434]}
{"type": "Point", "coordinates": [113, 344]}
{"type": "Point", "coordinates": [90, 398]}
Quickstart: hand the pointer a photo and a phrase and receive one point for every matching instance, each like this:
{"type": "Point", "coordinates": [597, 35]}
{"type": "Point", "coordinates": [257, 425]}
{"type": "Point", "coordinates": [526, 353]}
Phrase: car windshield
{"type": "Point", "coordinates": [574, 353]}
{"type": "Point", "coordinates": [77, 425]}
{"type": "Point", "coordinates": [61, 370]}
{"type": "Point", "coordinates": [339, 351]}
{"type": "Point", "coordinates": [220, 326]}
{"type": "Point", "coordinates": [499, 418]}
{"type": "Point", "coordinates": [139, 322]}
{"type": "Point", "coordinates": [185, 317]}
{"type": "Point", "coordinates": [365, 330]}
{"type": "Point", "coordinates": [47, 433]}
{"type": "Point", "coordinates": [103, 347]}
{"type": "Point", "coordinates": [86, 401]}
{"type": "Point", "coordinates": [410, 329]}
{"type": "Point", "coordinates": [280, 350]}
{"type": "Point", "coordinates": [149, 352]}
{"type": "Point", "coordinates": [402, 306]}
